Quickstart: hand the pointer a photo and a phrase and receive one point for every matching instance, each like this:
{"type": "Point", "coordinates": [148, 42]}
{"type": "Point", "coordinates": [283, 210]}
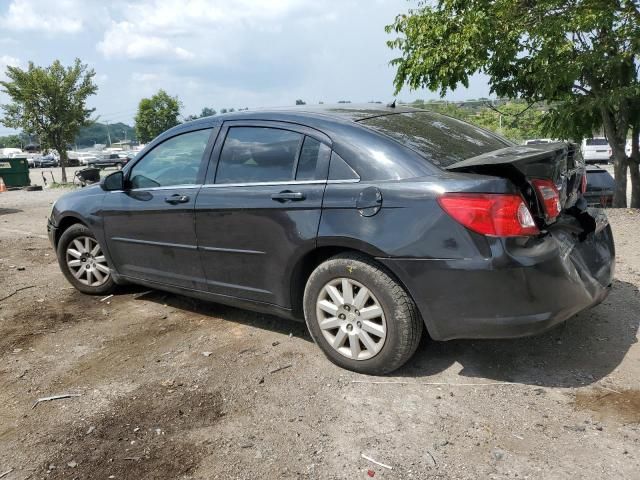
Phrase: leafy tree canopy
{"type": "Point", "coordinates": [49, 102]}
{"type": "Point", "coordinates": [508, 118]}
{"type": "Point", "coordinates": [580, 56]}
{"type": "Point", "coordinates": [156, 114]}
{"type": "Point", "coordinates": [206, 112]}
{"type": "Point", "coordinates": [99, 132]}
{"type": "Point", "coordinates": [13, 141]}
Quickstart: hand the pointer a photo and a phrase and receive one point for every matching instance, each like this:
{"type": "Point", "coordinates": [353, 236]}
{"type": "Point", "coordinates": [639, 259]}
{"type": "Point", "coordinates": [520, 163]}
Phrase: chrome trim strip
{"type": "Point", "coordinates": [247, 184]}
{"type": "Point", "coordinates": [232, 250]}
{"type": "Point", "coordinates": [187, 186]}
{"type": "Point", "coordinates": [266, 184]}
{"type": "Point", "coordinates": [155, 244]}
{"type": "Point", "coordinates": [351, 180]}
{"type": "Point", "coordinates": [168, 187]}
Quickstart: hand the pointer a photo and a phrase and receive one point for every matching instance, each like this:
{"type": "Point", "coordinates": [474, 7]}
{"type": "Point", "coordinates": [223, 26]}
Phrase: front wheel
{"type": "Point", "coordinates": [82, 261]}
{"type": "Point", "coordinates": [360, 316]}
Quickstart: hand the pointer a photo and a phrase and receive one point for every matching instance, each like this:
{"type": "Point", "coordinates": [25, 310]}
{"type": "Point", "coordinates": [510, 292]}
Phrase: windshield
{"type": "Point", "coordinates": [596, 142]}
{"type": "Point", "coordinates": [440, 139]}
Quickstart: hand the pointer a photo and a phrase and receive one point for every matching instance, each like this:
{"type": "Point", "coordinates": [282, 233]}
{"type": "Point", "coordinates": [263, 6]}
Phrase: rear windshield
{"type": "Point", "coordinates": [596, 142]}
{"type": "Point", "coordinates": [441, 140]}
{"type": "Point", "coordinates": [600, 179]}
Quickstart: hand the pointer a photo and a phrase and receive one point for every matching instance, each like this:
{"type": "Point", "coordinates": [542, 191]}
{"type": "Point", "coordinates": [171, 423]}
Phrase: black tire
{"type": "Point", "coordinates": [403, 322]}
{"type": "Point", "coordinates": [68, 236]}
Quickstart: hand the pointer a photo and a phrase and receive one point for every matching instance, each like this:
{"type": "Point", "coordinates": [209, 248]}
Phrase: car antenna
{"type": "Point", "coordinates": [392, 104]}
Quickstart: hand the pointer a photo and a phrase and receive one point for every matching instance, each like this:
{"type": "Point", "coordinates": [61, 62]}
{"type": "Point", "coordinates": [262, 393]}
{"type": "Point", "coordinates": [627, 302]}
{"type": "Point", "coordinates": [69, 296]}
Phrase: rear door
{"type": "Point", "coordinates": [149, 226]}
{"type": "Point", "coordinates": [259, 211]}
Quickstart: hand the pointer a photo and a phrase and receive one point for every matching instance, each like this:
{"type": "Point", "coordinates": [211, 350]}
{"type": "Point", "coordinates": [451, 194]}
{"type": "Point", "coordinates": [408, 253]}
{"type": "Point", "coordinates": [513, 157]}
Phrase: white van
{"type": "Point", "coordinates": [595, 150]}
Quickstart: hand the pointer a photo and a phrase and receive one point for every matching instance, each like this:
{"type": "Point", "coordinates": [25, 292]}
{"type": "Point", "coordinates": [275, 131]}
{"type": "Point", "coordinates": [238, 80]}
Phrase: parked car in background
{"type": "Point", "coordinates": [539, 141]}
{"type": "Point", "coordinates": [11, 152]}
{"type": "Point", "coordinates": [600, 187]}
{"type": "Point", "coordinates": [48, 161]}
{"type": "Point", "coordinates": [82, 158]}
{"type": "Point", "coordinates": [108, 160]}
{"type": "Point", "coordinates": [128, 155]}
{"type": "Point", "coordinates": [33, 160]}
{"type": "Point", "coordinates": [596, 150]}
{"type": "Point", "coordinates": [371, 224]}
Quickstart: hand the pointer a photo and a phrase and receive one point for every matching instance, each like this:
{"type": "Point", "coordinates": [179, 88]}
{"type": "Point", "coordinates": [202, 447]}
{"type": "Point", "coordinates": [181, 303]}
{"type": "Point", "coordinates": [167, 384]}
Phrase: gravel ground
{"type": "Point", "coordinates": [175, 388]}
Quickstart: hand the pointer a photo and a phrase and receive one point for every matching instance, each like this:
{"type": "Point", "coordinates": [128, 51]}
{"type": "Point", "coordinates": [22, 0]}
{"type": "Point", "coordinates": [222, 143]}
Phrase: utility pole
{"type": "Point", "coordinates": [108, 134]}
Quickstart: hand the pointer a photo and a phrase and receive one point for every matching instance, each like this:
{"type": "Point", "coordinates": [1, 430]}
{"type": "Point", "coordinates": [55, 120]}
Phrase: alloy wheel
{"type": "Point", "coordinates": [86, 261]}
{"type": "Point", "coordinates": [351, 319]}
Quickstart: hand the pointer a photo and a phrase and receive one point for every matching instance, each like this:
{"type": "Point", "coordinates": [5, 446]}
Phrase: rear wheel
{"type": "Point", "coordinates": [82, 261]}
{"type": "Point", "coordinates": [360, 316]}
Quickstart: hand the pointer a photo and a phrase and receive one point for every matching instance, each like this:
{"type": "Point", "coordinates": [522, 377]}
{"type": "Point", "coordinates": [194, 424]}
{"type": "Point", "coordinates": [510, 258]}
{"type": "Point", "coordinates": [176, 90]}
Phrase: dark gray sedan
{"type": "Point", "coordinates": [371, 224]}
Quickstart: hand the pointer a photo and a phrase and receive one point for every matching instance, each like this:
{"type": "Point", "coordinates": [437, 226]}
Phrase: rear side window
{"type": "Point", "coordinates": [258, 154]}
{"type": "Point", "coordinates": [312, 156]}
{"type": "Point", "coordinates": [340, 170]}
{"type": "Point", "coordinates": [440, 139]}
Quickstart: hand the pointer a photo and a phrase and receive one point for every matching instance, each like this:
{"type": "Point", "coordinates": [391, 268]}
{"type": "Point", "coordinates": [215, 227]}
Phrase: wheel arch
{"type": "Point", "coordinates": [305, 265]}
{"type": "Point", "coordinates": [64, 223]}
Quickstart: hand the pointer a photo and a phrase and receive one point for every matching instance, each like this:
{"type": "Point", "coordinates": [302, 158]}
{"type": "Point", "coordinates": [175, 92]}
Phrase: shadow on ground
{"type": "Point", "coordinates": [578, 352]}
{"type": "Point", "coordinates": [217, 310]}
{"type": "Point", "coordinates": [9, 211]}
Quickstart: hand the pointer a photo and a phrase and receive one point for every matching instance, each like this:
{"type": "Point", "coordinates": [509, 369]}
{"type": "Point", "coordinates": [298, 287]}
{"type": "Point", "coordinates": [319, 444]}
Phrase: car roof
{"type": "Point", "coordinates": [310, 113]}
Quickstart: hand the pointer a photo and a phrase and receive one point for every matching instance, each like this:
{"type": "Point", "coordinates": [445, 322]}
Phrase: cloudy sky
{"type": "Point", "coordinates": [217, 53]}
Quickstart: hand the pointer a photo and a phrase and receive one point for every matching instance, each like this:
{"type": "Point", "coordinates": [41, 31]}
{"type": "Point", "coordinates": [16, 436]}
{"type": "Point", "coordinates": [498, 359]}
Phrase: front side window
{"type": "Point", "coordinates": [258, 154]}
{"type": "Point", "coordinates": [174, 162]}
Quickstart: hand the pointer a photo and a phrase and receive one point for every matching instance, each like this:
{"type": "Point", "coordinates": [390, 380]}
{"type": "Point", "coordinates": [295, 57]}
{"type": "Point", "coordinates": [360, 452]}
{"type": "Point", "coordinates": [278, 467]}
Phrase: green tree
{"type": "Point", "coordinates": [300, 102]}
{"type": "Point", "coordinates": [11, 141]}
{"type": "Point", "coordinates": [156, 114]}
{"type": "Point", "coordinates": [205, 112]}
{"type": "Point", "coordinates": [579, 56]}
{"type": "Point", "coordinates": [50, 102]}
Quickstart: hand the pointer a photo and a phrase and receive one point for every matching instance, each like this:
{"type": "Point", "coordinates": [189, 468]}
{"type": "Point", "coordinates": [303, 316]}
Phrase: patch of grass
{"type": "Point", "coordinates": [62, 185]}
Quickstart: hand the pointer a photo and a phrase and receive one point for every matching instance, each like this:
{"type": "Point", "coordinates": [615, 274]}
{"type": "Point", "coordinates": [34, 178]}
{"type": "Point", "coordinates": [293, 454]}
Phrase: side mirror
{"type": "Point", "coordinates": [114, 181]}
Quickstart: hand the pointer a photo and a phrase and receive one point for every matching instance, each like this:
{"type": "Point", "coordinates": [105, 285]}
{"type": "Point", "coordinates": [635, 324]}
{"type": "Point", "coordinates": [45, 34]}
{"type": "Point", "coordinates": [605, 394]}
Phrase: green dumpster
{"type": "Point", "coordinates": [15, 172]}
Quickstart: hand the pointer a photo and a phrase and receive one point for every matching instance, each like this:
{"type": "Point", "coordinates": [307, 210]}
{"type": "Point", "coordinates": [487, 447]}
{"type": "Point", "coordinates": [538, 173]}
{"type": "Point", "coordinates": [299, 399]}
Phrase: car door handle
{"type": "Point", "coordinates": [176, 199]}
{"type": "Point", "coordinates": [288, 195]}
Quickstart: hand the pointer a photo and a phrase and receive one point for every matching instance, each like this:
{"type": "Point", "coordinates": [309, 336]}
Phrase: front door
{"type": "Point", "coordinates": [149, 226]}
{"type": "Point", "coordinates": [259, 212]}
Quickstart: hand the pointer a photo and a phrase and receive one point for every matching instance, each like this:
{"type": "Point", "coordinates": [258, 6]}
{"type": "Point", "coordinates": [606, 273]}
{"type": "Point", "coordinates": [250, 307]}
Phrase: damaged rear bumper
{"type": "Point", "coordinates": [526, 287]}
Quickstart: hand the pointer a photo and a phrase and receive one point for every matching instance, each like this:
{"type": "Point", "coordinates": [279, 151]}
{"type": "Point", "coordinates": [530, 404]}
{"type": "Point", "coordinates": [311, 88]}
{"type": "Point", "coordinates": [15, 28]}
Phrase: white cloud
{"type": "Point", "coordinates": [210, 31]}
{"type": "Point", "coordinates": [62, 16]}
{"type": "Point", "coordinates": [8, 61]}
{"type": "Point", "coordinates": [125, 40]}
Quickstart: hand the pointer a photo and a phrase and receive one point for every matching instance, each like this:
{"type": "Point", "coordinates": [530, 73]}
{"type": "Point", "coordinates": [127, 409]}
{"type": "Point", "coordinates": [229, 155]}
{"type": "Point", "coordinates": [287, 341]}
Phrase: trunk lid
{"type": "Point", "coordinates": [561, 163]}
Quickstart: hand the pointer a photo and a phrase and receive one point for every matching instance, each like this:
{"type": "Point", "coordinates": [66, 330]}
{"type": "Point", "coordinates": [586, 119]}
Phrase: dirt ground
{"type": "Point", "coordinates": [171, 388]}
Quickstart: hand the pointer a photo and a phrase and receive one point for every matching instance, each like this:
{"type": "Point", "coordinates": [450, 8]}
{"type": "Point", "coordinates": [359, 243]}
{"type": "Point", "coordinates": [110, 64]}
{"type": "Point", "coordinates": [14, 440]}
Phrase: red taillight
{"type": "Point", "coordinates": [549, 196]}
{"type": "Point", "coordinates": [583, 184]}
{"type": "Point", "coordinates": [500, 215]}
